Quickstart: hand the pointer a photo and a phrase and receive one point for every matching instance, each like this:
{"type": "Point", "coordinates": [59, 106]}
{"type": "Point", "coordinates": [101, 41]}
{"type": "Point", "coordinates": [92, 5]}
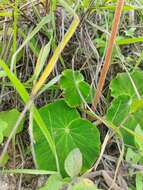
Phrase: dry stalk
{"type": "Point", "coordinates": [109, 50]}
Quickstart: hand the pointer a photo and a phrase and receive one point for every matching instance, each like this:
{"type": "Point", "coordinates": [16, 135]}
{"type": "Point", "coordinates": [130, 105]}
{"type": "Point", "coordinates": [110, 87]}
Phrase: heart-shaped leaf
{"type": "Point", "coordinates": [10, 117]}
{"type": "Point", "coordinates": [69, 131]}
{"type": "Point", "coordinates": [123, 85]}
{"type": "Point", "coordinates": [118, 113]}
{"type": "Point", "coordinates": [75, 89]}
{"type": "Point", "coordinates": [73, 163]}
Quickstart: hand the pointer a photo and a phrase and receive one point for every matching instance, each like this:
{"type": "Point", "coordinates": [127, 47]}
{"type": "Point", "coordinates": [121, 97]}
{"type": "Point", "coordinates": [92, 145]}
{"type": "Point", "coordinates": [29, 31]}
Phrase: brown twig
{"type": "Point", "coordinates": [109, 50]}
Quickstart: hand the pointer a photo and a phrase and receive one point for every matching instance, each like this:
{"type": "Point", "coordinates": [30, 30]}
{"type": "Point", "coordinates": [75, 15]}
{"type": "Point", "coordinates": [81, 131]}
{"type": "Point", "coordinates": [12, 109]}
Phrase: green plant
{"type": "Point", "coordinates": [126, 108]}
{"type": "Point", "coordinates": [63, 137]}
{"type": "Point", "coordinates": [68, 131]}
{"type": "Point", "coordinates": [8, 120]}
{"type": "Point", "coordinates": [38, 84]}
{"type": "Point", "coordinates": [75, 90]}
{"type": "Point", "coordinates": [73, 165]}
{"type": "Point", "coordinates": [135, 157]}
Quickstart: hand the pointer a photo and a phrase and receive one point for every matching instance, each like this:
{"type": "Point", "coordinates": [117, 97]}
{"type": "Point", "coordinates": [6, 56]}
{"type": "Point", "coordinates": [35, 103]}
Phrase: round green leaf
{"type": "Point", "coordinates": [75, 89]}
{"type": "Point", "coordinates": [69, 131]}
{"type": "Point", "coordinates": [73, 162]}
{"type": "Point", "coordinates": [122, 84]}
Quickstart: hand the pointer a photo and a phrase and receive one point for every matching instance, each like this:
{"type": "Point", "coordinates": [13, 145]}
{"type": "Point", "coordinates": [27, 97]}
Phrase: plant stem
{"type": "Point", "coordinates": [109, 50]}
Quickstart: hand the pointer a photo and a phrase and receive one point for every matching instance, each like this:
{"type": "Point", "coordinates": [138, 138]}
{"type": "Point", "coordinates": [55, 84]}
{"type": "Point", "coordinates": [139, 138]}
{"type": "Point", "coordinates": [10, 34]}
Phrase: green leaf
{"type": "Point", "coordinates": [10, 117]}
{"type": "Point", "coordinates": [3, 126]}
{"type": "Point", "coordinates": [28, 171]}
{"type": "Point", "coordinates": [138, 117]}
{"type": "Point", "coordinates": [139, 181]}
{"type": "Point", "coordinates": [86, 3]}
{"type": "Point", "coordinates": [119, 109]}
{"type": "Point", "coordinates": [122, 84]}
{"type": "Point", "coordinates": [50, 84]}
{"type": "Point", "coordinates": [139, 142]}
{"type": "Point", "coordinates": [42, 59]}
{"type": "Point", "coordinates": [25, 97]}
{"type": "Point", "coordinates": [68, 131]}
{"type": "Point", "coordinates": [132, 156]}
{"type": "Point", "coordinates": [4, 160]}
{"type": "Point", "coordinates": [84, 184]}
{"type": "Point", "coordinates": [136, 105]}
{"type": "Point", "coordinates": [118, 113]}
{"type": "Point", "coordinates": [44, 21]}
{"type": "Point", "coordinates": [73, 162]}
{"type": "Point", "coordinates": [55, 182]}
{"type": "Point", "coordinates": [75, 89]}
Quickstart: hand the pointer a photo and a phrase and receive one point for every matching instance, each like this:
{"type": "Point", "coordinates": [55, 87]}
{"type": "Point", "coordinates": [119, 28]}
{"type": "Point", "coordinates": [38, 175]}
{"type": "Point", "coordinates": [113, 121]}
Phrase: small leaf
{"type": "Point", "coordinates": [118, 113]}
{"type": "Point", "coordinates": [69, 131]}
{"type": "Point", "coordinates": [55, 182]}
{"type": "Point", "coordinates": [10, 117]}
{"type": "Point", "coordinates": [130, 32]}
{"type": "Point", "coordinates": [84, 184]}
{"type": "Point", "coordinates": [73, 162]}
{"type": "Point", "coordinates": [3, 127]}
{"type": "Point", "coordinates": [122, 84]}
{"type": "Point", "coordinates": [75, 88]}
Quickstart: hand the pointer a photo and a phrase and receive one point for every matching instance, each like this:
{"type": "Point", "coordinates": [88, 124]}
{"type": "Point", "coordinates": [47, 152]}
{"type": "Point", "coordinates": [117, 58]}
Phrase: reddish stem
{"type": "Point", "coordinates": [109, 50]}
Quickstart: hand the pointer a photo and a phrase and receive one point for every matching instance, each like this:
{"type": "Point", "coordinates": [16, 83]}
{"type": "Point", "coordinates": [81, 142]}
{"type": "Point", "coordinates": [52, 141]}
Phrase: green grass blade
{"type": "Point", "coordinates": [17, 84]}
{"type": "Point", "coordinates": [129, 41]}
{"type": "Point", "coordinates": [3, 14]}
{"type": "Point", "coordinates": [31, 43]}
{"type": "Point", "coordinates": [26, 98]}
{"type": "Point", "coordinates": [28, 171]}
{"type": "Point", "coordinates": [44, 21]}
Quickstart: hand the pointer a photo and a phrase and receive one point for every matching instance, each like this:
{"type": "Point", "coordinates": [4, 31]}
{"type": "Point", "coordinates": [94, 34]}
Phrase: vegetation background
{"type": "Point", "coordinates": [65, 65]}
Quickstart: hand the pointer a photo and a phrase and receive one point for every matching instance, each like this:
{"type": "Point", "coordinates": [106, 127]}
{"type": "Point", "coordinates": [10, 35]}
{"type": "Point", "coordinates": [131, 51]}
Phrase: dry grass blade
{"type": "Point", "coordinates": [108, 55]}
